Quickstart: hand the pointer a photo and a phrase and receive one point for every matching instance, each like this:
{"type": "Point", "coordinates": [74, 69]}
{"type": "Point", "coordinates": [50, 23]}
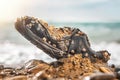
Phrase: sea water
{"type": "Point", "coordinates": [15, 49]}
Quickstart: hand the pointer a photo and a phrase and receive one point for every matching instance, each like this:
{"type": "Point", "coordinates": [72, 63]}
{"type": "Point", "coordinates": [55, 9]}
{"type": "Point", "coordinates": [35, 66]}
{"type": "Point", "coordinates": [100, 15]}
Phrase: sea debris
{"type": "Point", "coordinates": [58, 42]}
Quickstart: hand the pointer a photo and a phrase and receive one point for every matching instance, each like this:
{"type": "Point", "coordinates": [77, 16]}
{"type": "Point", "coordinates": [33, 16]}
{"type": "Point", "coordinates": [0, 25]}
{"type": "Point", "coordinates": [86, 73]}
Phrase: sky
{"type": "Point", "coordinates": [61, 10]}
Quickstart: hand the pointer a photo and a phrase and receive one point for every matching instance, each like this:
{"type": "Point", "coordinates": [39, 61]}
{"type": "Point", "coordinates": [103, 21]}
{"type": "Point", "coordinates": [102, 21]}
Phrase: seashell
{"type": "Point", "coordinates": [44, 39]}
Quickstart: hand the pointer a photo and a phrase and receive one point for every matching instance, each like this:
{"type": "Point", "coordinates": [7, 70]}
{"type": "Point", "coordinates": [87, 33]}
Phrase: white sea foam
{"type": "Point", "coordinates": [113, 48]}
{"type": "Point", "coordinates": [16, 54]}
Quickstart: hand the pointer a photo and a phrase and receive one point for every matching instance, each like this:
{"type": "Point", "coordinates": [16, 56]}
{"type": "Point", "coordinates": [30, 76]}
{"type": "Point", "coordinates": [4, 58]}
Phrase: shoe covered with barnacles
{"type": "Point", "coordinates": [57, 42]}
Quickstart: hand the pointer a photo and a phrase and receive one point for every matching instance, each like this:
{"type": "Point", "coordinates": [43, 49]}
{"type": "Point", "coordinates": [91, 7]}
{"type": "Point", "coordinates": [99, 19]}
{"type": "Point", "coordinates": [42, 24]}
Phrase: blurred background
{"type": "Point", "coordinates": [100, 19]}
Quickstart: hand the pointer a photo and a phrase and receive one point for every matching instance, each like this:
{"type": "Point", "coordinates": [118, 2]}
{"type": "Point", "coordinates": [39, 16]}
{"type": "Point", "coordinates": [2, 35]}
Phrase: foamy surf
{"type": "Point", "coordinates": [113, 48]}
{"type": "Point", "coordinates": [14, 54]}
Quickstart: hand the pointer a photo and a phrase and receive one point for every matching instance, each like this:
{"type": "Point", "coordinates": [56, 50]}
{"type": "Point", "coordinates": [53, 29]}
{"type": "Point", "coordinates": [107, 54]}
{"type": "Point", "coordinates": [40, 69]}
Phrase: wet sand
{"type": "Point", "coordinates": [71, 68]}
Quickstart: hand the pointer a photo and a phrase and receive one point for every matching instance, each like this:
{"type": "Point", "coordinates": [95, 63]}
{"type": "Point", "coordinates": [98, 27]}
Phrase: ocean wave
{"type": "Point", "coordinates": [14, 54]}
{"type": "Point", "coordinates": [102, 33]}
